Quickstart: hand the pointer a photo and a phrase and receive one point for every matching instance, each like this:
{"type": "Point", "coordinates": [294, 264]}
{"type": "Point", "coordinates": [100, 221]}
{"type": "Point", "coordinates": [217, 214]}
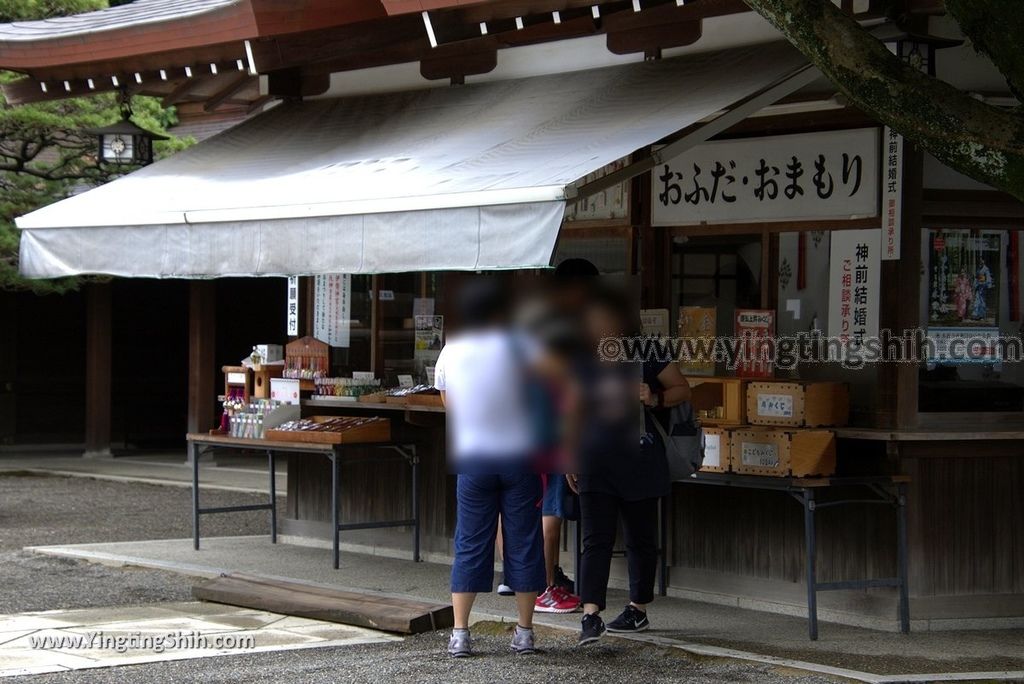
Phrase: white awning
{"type": "Point", "coordinates": [469, 177]}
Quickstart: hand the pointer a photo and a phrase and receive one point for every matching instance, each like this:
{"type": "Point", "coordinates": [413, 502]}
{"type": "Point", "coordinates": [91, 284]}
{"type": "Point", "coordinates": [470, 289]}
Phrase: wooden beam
{"type": "Point", "coordinates": [181, 90]}
{"type": "Point", "coordinates": [219, 97]}
{"type": "Point", "coordinates": [202, 307]}
{"type": "Point", "coordinates": [297, 83]}
{"type": "Point", "coordinates": [458, 60]}
{"type": "Point", "coordinates": [98, 356]}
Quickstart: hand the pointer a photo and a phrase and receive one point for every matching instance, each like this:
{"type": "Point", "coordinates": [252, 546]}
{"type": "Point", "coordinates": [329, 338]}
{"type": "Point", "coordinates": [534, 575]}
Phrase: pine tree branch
{"type": "Point", "coordinates": [979, 140]}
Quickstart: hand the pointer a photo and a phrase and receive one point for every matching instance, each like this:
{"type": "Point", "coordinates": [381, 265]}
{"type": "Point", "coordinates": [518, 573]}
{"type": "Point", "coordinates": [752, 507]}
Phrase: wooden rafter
{"type": "Point", "coordinates": [28, 90]}
{"type": "Point", "coordinates": [181, 91]}
{"type": "Point", "coordinates": [222, 95]}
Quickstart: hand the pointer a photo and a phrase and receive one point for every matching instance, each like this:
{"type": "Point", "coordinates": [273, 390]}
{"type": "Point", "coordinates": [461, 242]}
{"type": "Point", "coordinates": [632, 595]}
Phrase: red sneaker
{"type": "Point", "coordinates": [556, 600]}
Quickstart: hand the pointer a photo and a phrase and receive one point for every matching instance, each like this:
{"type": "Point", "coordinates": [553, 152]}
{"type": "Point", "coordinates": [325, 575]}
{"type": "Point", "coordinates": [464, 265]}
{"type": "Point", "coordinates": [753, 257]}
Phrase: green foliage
{"type": "Point", "coordinates": [22, 10]}
{"type": "Point", "coordinates": [45, 156]}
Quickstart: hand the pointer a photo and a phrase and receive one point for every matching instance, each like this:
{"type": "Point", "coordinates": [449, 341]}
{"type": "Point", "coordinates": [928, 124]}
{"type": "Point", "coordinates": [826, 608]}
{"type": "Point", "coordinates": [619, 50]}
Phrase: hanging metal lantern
{"type": "Point", "coordinates": [125, 142]}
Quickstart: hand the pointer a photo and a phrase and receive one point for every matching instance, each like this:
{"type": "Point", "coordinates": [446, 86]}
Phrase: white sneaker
{"type": "Point", "coordinates": [522, 641]}
{"type": "Point", "coordinates": [505, 590]}
{"type": "Point", "coordinates": [459, 645]}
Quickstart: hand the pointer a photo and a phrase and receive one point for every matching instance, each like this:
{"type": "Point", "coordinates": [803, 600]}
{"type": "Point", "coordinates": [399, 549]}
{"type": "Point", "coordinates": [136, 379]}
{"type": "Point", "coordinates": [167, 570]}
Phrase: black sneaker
{"type": "Point", "coordinates": [632, 619]}
{"type": "Point", "coordinates": [562, 581]}
{"type": "Point", "coordinates": [592, 629]}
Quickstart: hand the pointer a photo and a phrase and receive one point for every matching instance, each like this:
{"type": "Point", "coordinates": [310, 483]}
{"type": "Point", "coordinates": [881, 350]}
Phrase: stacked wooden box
{"type": "Point", "coordinates": [782, 431]}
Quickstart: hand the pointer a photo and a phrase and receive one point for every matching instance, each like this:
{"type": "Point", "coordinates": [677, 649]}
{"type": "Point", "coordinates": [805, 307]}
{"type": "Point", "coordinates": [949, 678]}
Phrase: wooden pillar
{"type": "Point", "coordinates": [98, 334]}
{"type": "Point", "coordinates": [202, 374]}
{"type": "Point", "coordinates": [901, 299]}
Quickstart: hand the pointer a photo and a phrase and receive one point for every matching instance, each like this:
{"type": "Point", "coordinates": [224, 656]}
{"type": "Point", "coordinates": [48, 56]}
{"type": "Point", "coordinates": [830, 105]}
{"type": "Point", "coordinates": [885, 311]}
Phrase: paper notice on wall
{"type": "Point", "coordinates": [755, 328]}
{"type": "Point", "coordinates": [697, 327]}
{"type": "Point", "coordinates": [332, 309]}
{"type": "Point", "coordinates": [654, 322]}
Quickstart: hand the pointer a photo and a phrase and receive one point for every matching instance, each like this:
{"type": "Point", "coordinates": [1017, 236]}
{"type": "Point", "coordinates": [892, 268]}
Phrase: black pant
{"type": "Point", "coordinates": [599, 515]}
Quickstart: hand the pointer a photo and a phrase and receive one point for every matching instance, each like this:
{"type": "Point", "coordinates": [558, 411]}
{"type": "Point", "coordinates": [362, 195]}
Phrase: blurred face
{"type": "Point", "coordinates": [603, 322]}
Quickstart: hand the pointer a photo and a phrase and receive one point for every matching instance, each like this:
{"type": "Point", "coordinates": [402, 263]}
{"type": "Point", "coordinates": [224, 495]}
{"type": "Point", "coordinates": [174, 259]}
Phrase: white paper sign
{"type": "Point", "coordinates": [806, 176]}
{"type": "Point", "coordinates": [758, 454]}
{"type": "Point", "coordinates": [292, 309]}
{"type": "Point", "coordinates": [654, 322]}
{"type": "Point", "coordinates": [775, 405]}
{"type": "Point", "coordinates": [892, 194]}
{"type": "Point", "coordinates": [853, 286]}
{"type": "Point", "coordinates": [332, 307]}
{"type": "Point", "coordinates": [713, 450]}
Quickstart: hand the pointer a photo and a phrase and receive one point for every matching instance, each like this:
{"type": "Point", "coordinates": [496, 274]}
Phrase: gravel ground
{"type": "Point", "coordinates": [37, 510]}
{"type": "Point", "coordinates": [422, 659]}
{"type": "Point", "coordinates": [40, 510]}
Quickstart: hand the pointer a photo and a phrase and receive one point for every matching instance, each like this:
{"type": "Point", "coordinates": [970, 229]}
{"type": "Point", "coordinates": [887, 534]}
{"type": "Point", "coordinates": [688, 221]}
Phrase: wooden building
{"type": "Point", "coordinates": [643, 92]}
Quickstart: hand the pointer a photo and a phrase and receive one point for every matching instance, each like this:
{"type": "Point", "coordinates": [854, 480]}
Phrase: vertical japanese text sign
{"type": "Point", "coordinates": [892, 193]}
{"type": "Point", "coordinates": [292, 308]}
{"type": "Point", "coordinates": [853, 286]}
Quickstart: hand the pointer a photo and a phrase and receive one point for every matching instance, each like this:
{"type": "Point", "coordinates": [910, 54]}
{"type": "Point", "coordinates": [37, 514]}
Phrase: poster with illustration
{"type": "Point", "coordinates": [963, 272]}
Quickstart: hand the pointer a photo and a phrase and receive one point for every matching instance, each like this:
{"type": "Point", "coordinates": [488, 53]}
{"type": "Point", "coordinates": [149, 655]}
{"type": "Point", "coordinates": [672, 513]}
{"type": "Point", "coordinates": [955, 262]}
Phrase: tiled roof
{"type": "Point", "coordinates": [133, 14]}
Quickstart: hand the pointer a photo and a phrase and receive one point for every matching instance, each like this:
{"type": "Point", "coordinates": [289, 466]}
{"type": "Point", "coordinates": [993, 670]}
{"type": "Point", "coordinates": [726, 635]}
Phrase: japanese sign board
{"type": "Point", "coordinates": [775, 405]}
{"type": "Point", "coordinates": [807, 176]}
{"type": "Point", "coordinates": [332, 309]}
{"type": "Point", "coordinates": [292, 308]}
{"type": "Point", "coordinates": [756, 327]}
{"type": "Point", "coordinates": [765, 455]}
{"type": "Point", "coordinates": [853, 288]}
{"type": "Point", "coordinates": [892, 193]}
{"type": "Point", "coordinates": [654, 322]}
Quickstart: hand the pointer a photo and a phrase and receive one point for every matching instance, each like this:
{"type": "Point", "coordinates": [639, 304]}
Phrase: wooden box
{"type": "Point", "coordinates": [798, 404]}
{"type": "Point", "coordinates": [782, 453]}
{"type": "Point", "coordinates": [261, 380]}
{"type": "Point", "coordinates": [716, 450]}
{"type": "Point", "coordinates": [307, 354]}
{"type": "Point", "coordinates": [375, 429]}
{"type": "Point", "coordinates": [424, 399]}
{"type": "Point", "coordinates": [237, 382]}
{"type": "Point", "coordinates": [718, 401]}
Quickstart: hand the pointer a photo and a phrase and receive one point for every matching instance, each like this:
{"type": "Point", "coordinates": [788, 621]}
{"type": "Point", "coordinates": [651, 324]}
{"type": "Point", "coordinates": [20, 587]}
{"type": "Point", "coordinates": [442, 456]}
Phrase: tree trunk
{"type": "Point", "coordinates": [979, 140]}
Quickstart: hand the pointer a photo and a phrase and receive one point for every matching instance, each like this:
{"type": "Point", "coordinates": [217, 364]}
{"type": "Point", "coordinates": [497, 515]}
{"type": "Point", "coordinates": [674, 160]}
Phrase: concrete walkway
{"type": "Point", "coordinates": [62, 640]}
{"type": "Point", "coordinates": [699, 628]}
{"type": "Point", "coordinates": [229, 472]}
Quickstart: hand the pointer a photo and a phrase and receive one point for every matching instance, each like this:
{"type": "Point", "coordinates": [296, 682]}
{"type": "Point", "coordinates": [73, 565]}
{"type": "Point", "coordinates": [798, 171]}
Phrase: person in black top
{"type": "Point", "coordinates": [622, 470]}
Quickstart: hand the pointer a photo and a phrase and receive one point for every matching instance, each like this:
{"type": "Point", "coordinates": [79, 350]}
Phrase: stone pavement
{"type": "Point", "coordinates": [63, 640]}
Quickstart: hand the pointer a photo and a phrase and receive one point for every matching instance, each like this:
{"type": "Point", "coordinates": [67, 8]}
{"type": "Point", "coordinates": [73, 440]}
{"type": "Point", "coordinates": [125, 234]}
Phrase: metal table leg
{"type": "Point", "coordinates": [335, 467]}
{"type": "Point", "coordinates": [901, 557]}
{"type": "Point", "coordinates": [415, 504]}
{"type": "Point", "coordinates": [194, 454]}
{"type": "Point", "coordinates": [812, 575]}
{"type": "Point", "coordinates": [273, 496]}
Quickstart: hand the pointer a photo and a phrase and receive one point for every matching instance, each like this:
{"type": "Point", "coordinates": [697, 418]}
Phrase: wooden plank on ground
{"type": "Point", "coordinates": [362, 609]}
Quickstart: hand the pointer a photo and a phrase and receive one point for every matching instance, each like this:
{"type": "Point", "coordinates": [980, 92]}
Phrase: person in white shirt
{"type": "Point", "coordinates": [482, 375]}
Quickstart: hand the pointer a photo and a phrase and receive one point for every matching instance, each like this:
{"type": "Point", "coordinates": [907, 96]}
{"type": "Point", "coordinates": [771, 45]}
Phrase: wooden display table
{"type": "Point", "coordinates": [335, 452]}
